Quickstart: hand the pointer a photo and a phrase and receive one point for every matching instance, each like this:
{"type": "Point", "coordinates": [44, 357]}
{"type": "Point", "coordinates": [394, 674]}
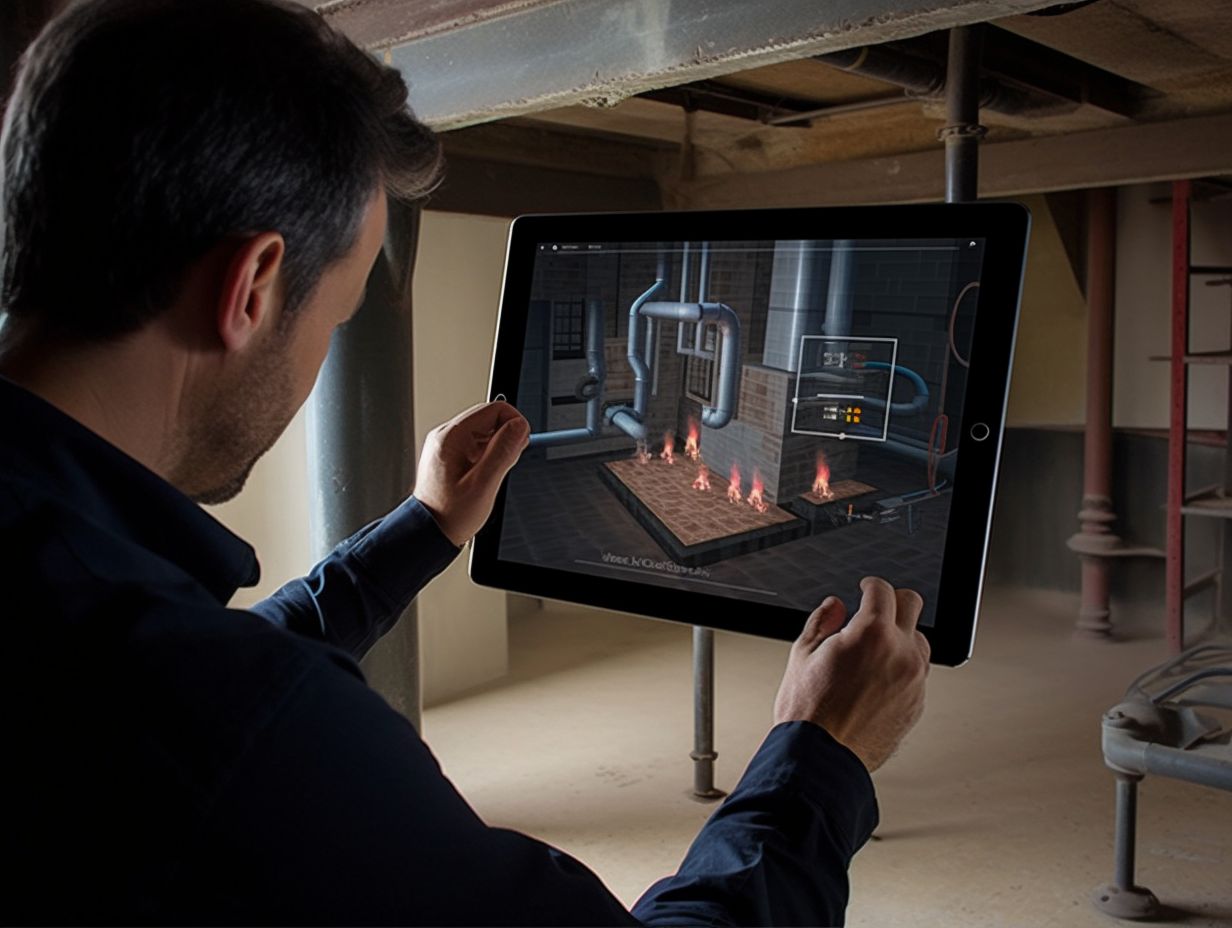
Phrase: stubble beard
{"type": "Point", "coordinates": [239, 423]}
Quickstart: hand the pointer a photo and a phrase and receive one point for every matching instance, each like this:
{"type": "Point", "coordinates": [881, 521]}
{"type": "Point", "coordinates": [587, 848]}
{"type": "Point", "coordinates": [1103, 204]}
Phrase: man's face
{"type": "Point", "coordinates": [244, 417]}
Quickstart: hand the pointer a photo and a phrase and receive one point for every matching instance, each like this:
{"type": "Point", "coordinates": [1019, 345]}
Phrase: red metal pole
{"type": "Point", "coordinates": [1096, 540]}
{"type": "Point", "coordinates": [1174, 583]}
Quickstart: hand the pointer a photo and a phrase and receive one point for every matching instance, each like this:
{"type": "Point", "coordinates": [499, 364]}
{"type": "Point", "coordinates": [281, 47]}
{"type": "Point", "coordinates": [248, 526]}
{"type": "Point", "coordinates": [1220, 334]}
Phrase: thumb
{"type": "Point", "coordinates": [502, 452]}
{"type": "Point", "coordinates": [824, 621]}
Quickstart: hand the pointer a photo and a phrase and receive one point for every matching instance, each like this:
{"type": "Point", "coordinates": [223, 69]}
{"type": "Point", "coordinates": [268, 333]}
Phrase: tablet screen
{"type": "Point", "coordinates": [767, 421]}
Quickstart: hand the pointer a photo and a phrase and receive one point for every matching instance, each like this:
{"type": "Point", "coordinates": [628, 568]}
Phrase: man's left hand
{"type": "Point", "coordinates": [463, 463]}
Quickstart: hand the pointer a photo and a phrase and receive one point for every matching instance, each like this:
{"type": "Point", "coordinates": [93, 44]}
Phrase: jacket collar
{"type": "Point", "coordinates": [54, 455]}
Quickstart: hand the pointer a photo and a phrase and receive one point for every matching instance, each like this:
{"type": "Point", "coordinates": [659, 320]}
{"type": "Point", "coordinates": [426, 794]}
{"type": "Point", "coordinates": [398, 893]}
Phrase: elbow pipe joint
{"type": "Point", "coordinates": [594, 382]}
{"type": "Point", "coordinates": [918, 403]}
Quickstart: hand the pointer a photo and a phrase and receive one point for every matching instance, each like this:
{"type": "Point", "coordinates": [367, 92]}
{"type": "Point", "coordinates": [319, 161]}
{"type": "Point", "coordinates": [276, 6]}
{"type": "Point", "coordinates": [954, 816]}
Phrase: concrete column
{"type": "Point", "coordinates": [361, 438]}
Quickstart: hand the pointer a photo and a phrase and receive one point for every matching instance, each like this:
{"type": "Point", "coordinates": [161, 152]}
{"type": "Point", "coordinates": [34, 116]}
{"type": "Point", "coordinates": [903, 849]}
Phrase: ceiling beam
{"type": "Point", "coordinates": [531, 56]}
{"type": "Point", "coordinates": [579, 152]}
{"type": "Point", "coordinates": [498, 188]}
{"type": "Point", "coordinates": [1100, 158]}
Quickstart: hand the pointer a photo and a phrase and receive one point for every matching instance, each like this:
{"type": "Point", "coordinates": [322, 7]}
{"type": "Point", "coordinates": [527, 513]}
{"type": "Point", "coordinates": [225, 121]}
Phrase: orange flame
{"type": "Point", "coordinates": [821, 486]}
{"type": "Point", "coordinates": [692, 450]}
{"type": "Point", "coordinates": [669, 447]}
{"type": "Point", "coordinates": [734, 493]}
{"type": "Point", "coordinates": [703, 478]}
{"type": "Point", "coordinates": [756, 500]}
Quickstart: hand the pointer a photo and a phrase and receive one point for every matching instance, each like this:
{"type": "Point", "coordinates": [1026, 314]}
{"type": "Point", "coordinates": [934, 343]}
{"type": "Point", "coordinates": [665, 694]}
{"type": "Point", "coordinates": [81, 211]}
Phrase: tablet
{"type": "Point", "coordinates": [736, 414]}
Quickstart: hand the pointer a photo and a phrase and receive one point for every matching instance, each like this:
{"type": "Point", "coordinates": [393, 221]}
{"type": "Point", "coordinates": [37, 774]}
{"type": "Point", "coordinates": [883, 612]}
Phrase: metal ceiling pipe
{"type": "Point", "coordinates": [962, 130]}
{"type": "Point", "coordinates": [919, 76]}
{"type": "Point", "coordinates": [927, 79]}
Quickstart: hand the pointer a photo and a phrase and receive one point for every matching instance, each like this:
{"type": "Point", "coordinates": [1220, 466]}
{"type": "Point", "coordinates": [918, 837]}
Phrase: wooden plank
{"type": "Point", "coordinates": [573, 152]}
{"type": "Point", "coordinates": [1099, 158]}
{"type": "Point", "coordinates": [492, 188]}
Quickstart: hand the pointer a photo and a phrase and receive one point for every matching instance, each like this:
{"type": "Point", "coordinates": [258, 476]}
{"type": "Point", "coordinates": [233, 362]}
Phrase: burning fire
{"type": "Point", "coordinates": [734, 493]}
{"type": "Point", "coordinates": [703, 478]}
{"type": "Point", "coordinates": [821, 486]}
{"type": "Point", "coordinates": [669, 447]}
{"type": "Point", "coordinates": [755, 495]}
{"type": "Point", "coordinates": [692, 450]}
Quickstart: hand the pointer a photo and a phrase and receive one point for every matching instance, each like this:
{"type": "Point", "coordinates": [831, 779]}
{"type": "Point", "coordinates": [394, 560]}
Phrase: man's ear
{"type": "Point", "coordinates": [250, 298]}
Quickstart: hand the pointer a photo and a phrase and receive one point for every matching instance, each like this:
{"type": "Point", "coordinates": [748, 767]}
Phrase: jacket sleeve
{"type": "Point", "coordinates": [340, 815]}
{"type": "Point", "coordinates": [777, 851]}
{"type": "Point", "coordinates": [357, 593]}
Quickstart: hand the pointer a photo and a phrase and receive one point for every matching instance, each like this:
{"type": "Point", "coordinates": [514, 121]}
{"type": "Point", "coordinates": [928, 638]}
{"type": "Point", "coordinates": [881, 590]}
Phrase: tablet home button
{"type": "Point", "coordinates": [979, 431]}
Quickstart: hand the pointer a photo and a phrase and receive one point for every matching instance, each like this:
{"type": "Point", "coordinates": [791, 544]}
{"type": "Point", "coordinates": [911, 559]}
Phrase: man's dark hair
{"type": "Point", "coordinates": [141, 133]}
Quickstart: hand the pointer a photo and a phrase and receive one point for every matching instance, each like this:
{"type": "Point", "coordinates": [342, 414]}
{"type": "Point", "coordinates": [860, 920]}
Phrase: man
{"type": "Point", "coordinates": [194, 193]}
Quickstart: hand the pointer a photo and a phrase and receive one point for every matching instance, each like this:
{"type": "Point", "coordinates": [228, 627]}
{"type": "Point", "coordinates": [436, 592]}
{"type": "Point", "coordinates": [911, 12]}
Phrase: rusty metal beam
{"type": "Point", "coordinates": [470, 61]}
{"type": "Point", "coordinates": [1100, 158]}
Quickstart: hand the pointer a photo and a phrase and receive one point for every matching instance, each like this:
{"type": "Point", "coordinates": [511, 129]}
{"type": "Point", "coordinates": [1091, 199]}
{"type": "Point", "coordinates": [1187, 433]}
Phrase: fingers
{"type": "Point", "coordinates": [483, 418]}
{"type": "Point", "coordinates": [502, 452]}
{"type": "Point", "coordinates": [824, 621]}
{"type": "Point", "coordinates": [877, 601]}
{"type": "Point", "coordinates": [909, 605]}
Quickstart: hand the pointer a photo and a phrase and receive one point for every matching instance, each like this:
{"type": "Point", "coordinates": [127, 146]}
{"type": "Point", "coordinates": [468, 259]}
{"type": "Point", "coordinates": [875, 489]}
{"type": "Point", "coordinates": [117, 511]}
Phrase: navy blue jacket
{"type": "Point", "coordinates": [170, 760]}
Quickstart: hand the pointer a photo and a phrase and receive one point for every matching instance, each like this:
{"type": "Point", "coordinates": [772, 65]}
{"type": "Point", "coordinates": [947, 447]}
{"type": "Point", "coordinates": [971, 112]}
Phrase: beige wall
{"type": "Point", "coordinates": [462, 628]}
{"type": "Point", "coordinates": [1048, 386]}
{"type": "Point", "coordinates": [456, 296]}
{"type": "Point", "coordinates": [271, 514]}
{"type": "Point", "coordinates": [1144, 288]}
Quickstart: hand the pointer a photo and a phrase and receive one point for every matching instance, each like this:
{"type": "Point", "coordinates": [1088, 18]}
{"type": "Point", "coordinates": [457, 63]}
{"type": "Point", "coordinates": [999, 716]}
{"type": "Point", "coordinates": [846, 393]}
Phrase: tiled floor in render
{"type": "Point", "coordinates": [996, 812]}
{"type": "Point", "coordinates": [560, 513]}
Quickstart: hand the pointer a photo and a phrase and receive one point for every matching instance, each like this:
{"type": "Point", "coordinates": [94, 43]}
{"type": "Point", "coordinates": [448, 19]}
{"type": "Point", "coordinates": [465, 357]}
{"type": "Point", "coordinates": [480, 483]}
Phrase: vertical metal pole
{"type": "Point", "coordinates": [1122, 898]}
{"type": "Point", "coordinates": [703, 753]}
{"type": "Point", "coordinates": [962, 131]}
{"type": "Point", "coordinates": [361, 438]}
{"type": "Point", "coordinates": [1126, 831]}
{"type": "Point", "coordinates": [1096, 540]}
{"type": "Point", "coordinates": [1174, 576]}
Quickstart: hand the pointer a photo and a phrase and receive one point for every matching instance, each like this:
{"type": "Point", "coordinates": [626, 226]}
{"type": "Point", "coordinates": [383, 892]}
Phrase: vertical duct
{"type": "Point", "coordinates": [840, 289]}
{"type": "Point", "coordinates": [364, 400]}
{"type": "Point", "coordinates": [796, 305]}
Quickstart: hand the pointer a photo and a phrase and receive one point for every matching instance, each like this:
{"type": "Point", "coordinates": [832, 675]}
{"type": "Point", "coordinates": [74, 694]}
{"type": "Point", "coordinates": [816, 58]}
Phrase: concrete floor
{"type": "Point", "coordinates": [997, 810]}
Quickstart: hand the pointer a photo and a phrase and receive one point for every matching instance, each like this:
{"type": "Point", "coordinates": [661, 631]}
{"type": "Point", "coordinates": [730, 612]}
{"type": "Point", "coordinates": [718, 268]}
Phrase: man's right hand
{"type": "Point", "coordinates": [864, 684]}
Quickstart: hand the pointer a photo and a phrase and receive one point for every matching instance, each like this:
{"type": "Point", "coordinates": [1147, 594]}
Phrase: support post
{"type": "Point", "coordinates": [1178, 406]}
{"type": "Point", "coordinates": [1096, 543]}
{"type": "Point", "coordinates": [962, 130]}
{"type": "Point", "coordinates": [703, 753]}
{"type": "Point", "coordinates": [1122, 898]}
{"type": "Point", "coordinates": [361, 438]}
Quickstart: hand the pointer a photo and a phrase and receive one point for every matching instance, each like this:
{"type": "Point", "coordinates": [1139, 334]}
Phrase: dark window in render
{"type": "Point", "coordinates": [567, 336]}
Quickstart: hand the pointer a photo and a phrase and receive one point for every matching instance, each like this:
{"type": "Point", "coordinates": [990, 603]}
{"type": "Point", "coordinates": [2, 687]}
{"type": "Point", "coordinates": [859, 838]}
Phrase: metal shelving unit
{"type": "Point", "coordinates": [1211, 501]}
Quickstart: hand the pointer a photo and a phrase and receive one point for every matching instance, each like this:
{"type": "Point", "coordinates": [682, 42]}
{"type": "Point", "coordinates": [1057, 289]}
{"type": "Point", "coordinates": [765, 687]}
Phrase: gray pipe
{"type": "Point", "coordinates": [703, 290]}
{"type": "Point", "coordinates": [596, 376]}
{"type": "Point", "coordinates": [839, 291]}
{"type": "Point", "coordinates": [641, 373]}
{"type": "Point", "coordinates": [685, 267]}
{"type": "Point", "coordinates": [630, 419]}
{"type": "Point", "coordinates": [725, 318]}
